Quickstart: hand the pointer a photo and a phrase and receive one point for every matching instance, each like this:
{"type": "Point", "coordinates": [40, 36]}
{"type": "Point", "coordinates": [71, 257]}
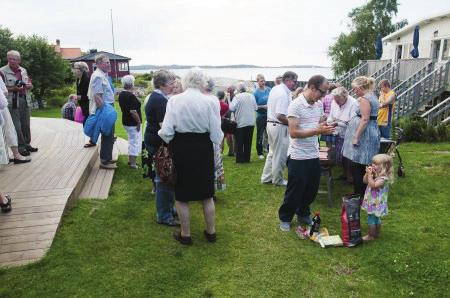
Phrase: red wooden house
{"type": "Point", "coordinates": [120, 66]}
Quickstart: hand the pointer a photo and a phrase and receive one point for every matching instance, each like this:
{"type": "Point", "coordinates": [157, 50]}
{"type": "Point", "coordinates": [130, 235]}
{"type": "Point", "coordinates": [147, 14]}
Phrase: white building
{"type": "Point", "coordinates": [434, 40]}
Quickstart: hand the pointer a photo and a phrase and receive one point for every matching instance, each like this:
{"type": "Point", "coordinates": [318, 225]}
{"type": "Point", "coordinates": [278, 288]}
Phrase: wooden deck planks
{"type": "Point", "coordinates": [42, 189]}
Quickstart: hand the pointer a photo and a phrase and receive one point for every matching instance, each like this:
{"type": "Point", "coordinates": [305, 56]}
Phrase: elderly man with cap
{"type": "Point", "coordinates": [18, 83]}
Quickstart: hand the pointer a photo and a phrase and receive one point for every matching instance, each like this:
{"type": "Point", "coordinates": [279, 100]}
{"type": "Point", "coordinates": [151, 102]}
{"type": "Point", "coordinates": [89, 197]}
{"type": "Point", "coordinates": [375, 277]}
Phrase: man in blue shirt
{"type": "Point", "coordinates": [261, 95]}
{"type": "Point", "coordinates": [100, 93]}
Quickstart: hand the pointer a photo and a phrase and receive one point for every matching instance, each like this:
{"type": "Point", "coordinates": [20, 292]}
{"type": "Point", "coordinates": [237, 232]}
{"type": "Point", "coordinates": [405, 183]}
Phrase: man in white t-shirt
{"type": "Point", "coordinates": [306, 122]}
{"type": "Point", "coordinates": [277, 129]}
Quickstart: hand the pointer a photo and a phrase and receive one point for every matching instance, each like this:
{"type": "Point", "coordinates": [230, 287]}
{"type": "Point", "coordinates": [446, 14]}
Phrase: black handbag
{"type": "Point", "coordinates": [228, 126]}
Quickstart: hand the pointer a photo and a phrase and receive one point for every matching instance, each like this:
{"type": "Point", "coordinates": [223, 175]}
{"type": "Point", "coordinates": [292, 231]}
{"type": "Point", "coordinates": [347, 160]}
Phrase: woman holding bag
{"type": "Point", "coordinates": [192, 125]}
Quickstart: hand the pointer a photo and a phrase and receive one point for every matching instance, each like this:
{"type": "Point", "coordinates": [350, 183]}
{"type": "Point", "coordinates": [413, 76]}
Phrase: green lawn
{"type": "Point", "coordinates": [115, 248]}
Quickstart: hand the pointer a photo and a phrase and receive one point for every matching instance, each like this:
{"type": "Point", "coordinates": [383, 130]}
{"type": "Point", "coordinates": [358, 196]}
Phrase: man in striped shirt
{"type": "Point", "coordinates": [306, 122]}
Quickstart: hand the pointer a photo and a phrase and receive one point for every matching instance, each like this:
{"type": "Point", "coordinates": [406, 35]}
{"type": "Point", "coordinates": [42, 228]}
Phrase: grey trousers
{"type": "Point", "coordinates": [21, 119]}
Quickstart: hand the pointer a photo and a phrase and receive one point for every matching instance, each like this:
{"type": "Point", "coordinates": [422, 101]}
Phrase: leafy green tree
{"type": "Point", "coordinates": [367, 22]}
{"type": "Point", "coordinates": [45, 67]}
{"type": "Point", "coordinates": [7, 43]}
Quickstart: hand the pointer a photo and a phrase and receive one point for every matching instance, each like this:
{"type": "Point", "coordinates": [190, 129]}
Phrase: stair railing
{"type": "Point", "coordinates": [347, 79]}
{"type": "Point", "coordinates": [422, 92]}
{"type": "Point", "coordinates": [438, 112]}
{"type": "Point", "coordinates": [414, 78]}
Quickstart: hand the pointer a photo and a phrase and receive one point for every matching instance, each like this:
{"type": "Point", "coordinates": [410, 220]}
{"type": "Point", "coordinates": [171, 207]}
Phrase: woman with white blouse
{"type": "Point", "coordinates": [192, 125]}
{"type": "Point", "coordinates": [343, 108]}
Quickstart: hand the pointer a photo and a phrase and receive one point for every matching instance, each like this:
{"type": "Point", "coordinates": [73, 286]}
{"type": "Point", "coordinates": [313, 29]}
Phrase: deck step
{"type": "Point", "coordinates": [99, 182]}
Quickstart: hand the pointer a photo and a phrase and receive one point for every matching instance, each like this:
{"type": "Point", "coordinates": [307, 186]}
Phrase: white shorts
{"type": "Point", "coordinates": [134, 141]}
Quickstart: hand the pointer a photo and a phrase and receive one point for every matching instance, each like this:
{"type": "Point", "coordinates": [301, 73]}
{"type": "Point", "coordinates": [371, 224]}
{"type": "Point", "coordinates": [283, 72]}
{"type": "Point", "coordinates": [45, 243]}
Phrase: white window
{"type": "Point", "coordinates": [123, 66]}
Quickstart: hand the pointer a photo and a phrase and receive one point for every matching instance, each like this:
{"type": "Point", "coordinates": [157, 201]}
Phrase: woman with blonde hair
{"type": "Point", "coordinates": [362, 138]}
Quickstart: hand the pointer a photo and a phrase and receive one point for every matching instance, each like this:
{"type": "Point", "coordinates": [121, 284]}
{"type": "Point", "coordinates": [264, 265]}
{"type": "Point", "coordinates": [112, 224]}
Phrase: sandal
{"type": "Point", "coordinates": [210, 237]}
{"type": "Point", "coordinates": [183, 240]}
{"type": "Point", "coordinates": [89, 145]}
{"type": "Point", "coordinates": [7, 206]}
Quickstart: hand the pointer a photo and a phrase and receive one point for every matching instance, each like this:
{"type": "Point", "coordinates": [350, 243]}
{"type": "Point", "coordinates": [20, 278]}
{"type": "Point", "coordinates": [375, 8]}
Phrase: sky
{"type": "Point", "coordinates": [199, 32]}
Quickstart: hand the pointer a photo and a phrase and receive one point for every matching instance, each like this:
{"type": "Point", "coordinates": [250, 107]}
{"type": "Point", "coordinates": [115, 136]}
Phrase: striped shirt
{"type": "Point", "coordinates": [309, 118]}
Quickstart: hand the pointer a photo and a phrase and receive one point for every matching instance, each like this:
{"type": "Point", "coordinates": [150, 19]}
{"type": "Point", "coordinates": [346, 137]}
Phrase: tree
{"type": "Point", "coordinates": [45, 67]}
{"type": "Point", "coordinates": [367, 22]}
{"type": "Point", "coordinates": [7, 43]}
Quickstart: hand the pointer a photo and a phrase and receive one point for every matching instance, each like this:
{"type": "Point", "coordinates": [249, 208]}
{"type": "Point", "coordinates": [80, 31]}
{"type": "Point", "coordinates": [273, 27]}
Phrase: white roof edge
{"type": "Point", "coordinates": [413, 25]}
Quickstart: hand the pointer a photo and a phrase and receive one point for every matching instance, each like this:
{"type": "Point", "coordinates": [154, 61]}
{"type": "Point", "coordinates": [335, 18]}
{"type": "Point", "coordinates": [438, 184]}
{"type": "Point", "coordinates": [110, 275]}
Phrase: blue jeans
{"type": "Point", "coordinates": [165, 195]}
{"type": "Point", "coordinates": [385, 131]}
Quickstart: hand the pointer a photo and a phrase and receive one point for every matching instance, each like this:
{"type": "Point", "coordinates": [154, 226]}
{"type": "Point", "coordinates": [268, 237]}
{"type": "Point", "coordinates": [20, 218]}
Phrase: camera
{"type": "Point", "coordinates": [20, 83]}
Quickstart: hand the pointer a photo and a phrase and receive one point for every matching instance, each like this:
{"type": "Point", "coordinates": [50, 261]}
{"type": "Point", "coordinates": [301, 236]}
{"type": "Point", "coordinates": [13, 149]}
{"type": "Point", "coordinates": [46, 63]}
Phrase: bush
{"type": "Point", "coordinates": [430, 134]}
{"type": "Point", "coordinates": [58, 97]}
{"type": "Point", "coordinates": [146, 76]}
{"type": "Point", "coordinates": [416, 129]}
{"type": "Point", "coordinates": [413, 129]}
{"type": "Point", "coordinates": [141, 82]}
{"type": "Point", "coordinates": [443, 132]}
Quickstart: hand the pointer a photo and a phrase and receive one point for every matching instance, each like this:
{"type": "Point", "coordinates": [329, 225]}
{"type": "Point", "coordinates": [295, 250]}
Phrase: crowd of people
{"type": "Point", "coordinates": [189, 118]}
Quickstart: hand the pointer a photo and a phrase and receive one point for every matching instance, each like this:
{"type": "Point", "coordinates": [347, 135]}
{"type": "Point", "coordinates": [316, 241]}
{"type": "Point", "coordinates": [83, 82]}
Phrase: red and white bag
{"type": "Point", "coordinates": [350, 220]}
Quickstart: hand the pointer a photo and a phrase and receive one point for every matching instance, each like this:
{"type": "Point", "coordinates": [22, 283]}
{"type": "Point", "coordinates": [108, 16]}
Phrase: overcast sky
{"type": "Point", "coordinates": [196, 32]}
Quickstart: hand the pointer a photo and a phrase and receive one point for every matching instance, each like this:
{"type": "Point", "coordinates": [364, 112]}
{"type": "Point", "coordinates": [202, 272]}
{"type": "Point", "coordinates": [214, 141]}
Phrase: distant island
{"type": "Point", "coordinates": [175, 66]}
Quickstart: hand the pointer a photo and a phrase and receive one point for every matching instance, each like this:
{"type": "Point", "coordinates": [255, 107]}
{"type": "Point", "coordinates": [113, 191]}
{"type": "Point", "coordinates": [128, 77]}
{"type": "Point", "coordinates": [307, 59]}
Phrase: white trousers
{"type": "Point", "coordinates": [276, 159]}
{"type": "Point", "coordinates": [134, 141]}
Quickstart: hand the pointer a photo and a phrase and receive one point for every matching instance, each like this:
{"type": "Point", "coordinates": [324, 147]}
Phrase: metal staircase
{"type": "Point", "coordinates": [382, 70]}
{"type": "Point", "coordinates": [390, 74]}
{"type": "Point", "coordinates": [359, 70]}
{"type": "Point", "coordinates": [439, 113]}
{"type": "Point", "coordinates": [401, 87]}
{"type": "Point", "coordinates": [427, 88]}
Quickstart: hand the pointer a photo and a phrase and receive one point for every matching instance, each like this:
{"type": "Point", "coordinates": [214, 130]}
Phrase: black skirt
{"type": "Point", "coordinates": [193, 156]}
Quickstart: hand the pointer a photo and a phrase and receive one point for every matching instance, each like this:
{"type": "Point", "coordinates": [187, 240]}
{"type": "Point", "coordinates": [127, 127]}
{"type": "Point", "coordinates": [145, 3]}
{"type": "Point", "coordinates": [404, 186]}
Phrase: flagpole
{"type": "Point", "coordinates": [114, 46]}
{"type": "Point", "coordinates": [112, 32]}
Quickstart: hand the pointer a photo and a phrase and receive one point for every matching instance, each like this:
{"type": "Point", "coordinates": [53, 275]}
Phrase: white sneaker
{"type": "Point", "coordinates": [285, 226]}
{"type": "Point", "coordinates": [282, 183]}
{"type": "Point", "coordinates": [261, 157]}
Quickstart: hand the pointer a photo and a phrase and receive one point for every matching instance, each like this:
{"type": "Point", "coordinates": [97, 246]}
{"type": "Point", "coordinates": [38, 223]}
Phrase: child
{"type": "Point", "coordinates": [377, 177]}
{"type": "Point", "coordinates": [68, 109]}
{"type": "Point", "coordinates": [219, 174]}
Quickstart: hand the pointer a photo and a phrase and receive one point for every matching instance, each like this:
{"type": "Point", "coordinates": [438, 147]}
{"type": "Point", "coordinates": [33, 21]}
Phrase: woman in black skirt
{"type": "Point", "coordinates": [192, 125]}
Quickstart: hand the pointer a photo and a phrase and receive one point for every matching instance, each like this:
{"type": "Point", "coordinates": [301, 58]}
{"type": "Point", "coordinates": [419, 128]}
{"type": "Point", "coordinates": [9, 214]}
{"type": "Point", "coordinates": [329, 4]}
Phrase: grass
{"type": "Point", "coordinates": [115, 248]}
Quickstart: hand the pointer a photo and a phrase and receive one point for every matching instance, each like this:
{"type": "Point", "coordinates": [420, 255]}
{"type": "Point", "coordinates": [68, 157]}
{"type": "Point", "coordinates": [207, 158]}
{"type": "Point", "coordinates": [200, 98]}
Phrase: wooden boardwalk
{"type": "Point", "coordinates": [42, 189]}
